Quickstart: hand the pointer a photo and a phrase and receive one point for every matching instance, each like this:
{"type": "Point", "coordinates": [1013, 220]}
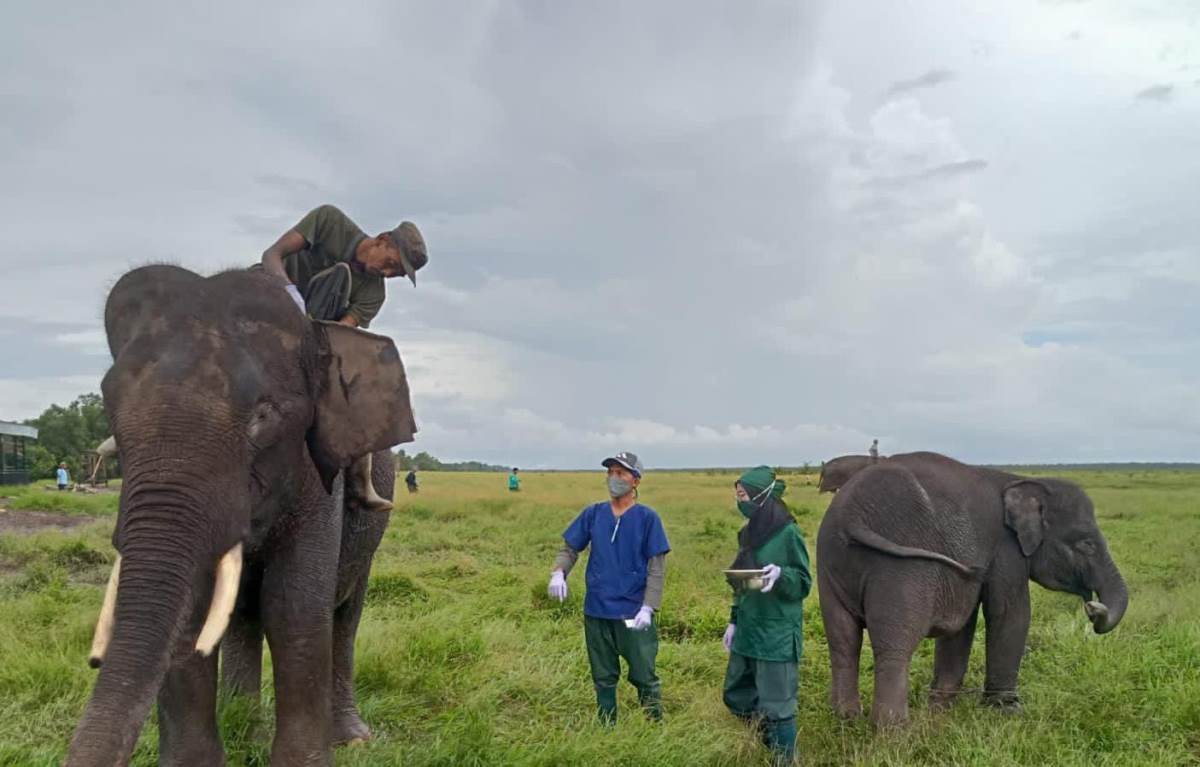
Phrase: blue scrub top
{"type": "Point", "coordinates": [621, 550]}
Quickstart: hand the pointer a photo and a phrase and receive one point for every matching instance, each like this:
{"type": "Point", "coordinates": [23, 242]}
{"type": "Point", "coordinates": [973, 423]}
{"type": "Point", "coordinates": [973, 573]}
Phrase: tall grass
{"type": "Point", "coordinates": [462, 659]}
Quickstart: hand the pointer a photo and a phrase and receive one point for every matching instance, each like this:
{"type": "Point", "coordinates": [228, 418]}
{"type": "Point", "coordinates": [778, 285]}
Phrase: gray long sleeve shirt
{"type": "Point", "coordinates": [656, 573]}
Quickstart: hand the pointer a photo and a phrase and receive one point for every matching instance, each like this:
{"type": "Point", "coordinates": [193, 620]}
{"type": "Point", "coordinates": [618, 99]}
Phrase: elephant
{"type": "Point", "coordinates": [234, 416]}
{"type": "Point", "coordinates": [837, 471]}
{"type": "Point", "coordinates": [914, 546]}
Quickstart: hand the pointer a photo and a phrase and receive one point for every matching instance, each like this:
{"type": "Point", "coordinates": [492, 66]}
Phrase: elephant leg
{"type": "Point", "coordinates": [297, 608]}
{"type": "Point", "coordinates": [892, 661]}
{"type": "Point", "coordinates": [348, 726]}
{"type": "Point", "coordinates": [845, 636]}
{"type": "Point", "coordinates": [187, 715]}
{"type": "Point", "coordinates": [241, 652]}
{"type": "Point", "coordinates": [950, 657]}
{"type": "Point", "coordinates": [1006, 613]}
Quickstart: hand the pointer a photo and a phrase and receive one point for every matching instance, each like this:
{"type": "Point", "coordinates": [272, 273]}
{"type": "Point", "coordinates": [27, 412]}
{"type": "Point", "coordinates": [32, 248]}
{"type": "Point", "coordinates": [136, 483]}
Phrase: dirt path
{"type": "Point", "coordinates": [35, 521]}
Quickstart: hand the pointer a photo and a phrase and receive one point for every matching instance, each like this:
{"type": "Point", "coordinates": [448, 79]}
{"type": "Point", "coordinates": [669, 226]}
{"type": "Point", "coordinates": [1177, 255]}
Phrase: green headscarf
{"type": "Point", "coordinates": [756, 481]}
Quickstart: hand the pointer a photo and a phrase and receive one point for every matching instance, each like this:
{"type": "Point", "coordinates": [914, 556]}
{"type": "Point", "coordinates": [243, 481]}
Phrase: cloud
{"type": "Point", "coordinates": [931, 79]}
{"type": "Point", "coordinates": [1161, 93]}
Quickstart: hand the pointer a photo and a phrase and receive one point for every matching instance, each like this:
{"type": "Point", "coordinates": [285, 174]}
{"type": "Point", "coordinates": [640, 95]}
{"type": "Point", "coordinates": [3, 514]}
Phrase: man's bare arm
{"type": "Point", "coordinates": [272, 258]}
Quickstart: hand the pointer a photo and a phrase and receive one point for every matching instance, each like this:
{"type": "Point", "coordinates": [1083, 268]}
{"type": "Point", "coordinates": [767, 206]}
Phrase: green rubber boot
{"type": "Point", "coordinates": [780, 737]}
{"type": "Point", "coordinates": [606, 705]}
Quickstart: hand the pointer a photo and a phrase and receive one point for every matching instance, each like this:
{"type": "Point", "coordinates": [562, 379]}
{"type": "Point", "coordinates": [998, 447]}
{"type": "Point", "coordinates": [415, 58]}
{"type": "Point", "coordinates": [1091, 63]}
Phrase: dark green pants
{"type": "Point", "coordinates": [607, 642]}
{"type": "Point", "coordinates": [765, 691]}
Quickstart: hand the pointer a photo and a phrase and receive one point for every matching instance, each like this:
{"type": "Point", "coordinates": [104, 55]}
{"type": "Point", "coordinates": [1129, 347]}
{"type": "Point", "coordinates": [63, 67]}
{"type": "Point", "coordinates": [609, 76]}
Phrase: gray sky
{"type": "Point", "coordinates": [711, 233]}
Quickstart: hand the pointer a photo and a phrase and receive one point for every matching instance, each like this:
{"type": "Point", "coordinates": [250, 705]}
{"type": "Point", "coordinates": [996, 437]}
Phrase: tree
{"type": "Point", "coordinates": [67, 434]}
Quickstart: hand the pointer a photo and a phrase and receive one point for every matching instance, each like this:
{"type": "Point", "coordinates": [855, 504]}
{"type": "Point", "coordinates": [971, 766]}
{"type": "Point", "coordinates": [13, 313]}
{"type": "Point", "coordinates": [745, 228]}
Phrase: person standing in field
{"type": "Point", "coordinates": [62, 476]}
{"type": "Point", "coordinates": [410, 479]}
{"type": "Point", "coordinates": [625, 573]}
{"type": "Point", "coordinates": [335, 272]}
{"type": "Point", "coordinates": [765, 636]}
{"type": "Point", "coordinates": [874, 450]}
{"type": "Point", "coordinates": [514, 482]}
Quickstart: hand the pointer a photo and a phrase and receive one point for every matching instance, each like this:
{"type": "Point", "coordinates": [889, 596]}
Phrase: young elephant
{"type": "Point", "coordinates": [912, 547]}
{"type": "Point", "coordinates": [837, 471]}
{"type": "Point", "coordinates": [234, 415]}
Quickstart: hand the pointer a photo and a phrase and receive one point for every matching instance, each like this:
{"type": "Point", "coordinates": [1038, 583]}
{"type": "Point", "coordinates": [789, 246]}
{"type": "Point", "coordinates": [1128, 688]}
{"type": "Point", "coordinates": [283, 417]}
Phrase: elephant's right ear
{"type": "Point", "coordinates": [361, 394]}
{"type": "Point", "coordinates": [1024, 512]}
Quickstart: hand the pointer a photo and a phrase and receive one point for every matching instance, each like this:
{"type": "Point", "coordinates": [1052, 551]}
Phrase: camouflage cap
{"type": "Point", "coordinates": [407, 238]}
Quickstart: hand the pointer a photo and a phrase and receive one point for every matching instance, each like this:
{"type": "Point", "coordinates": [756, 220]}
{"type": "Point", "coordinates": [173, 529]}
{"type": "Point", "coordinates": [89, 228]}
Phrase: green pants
{"type": "Point", "coordinates": [607, 642]}
{"type": "Point", "coordinates": [765, 691]}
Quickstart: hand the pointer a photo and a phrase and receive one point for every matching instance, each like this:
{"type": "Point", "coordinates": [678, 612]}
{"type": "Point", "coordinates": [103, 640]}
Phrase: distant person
{"type": "Point", "coordinates": [514, 482]}
{"type": "Point", "coordinates": [765, 634]}
{"type": "Point", "coordinates": [410, 480]}
{"type": "Point", "coordinates": [335, 272]}
{"type": "Point", "coordinates": [625, 574]}
{"type": "Point", "coordinates": [874, 451]}
{"type": "Point", "coordinates": [64, 478]}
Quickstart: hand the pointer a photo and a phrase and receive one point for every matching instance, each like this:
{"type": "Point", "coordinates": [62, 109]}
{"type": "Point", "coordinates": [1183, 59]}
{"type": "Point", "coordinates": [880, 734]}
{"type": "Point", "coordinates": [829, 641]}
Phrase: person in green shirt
{"type": "Point", "coordinates": [335, 272]}
{"type": "Point", "coordinates": [765, 637]}
{"type": "Point", "coordinates": [514, 482]}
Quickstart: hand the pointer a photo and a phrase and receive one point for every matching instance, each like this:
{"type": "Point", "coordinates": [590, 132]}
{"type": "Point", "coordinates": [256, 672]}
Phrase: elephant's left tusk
{"type": "Point", "coordinates": [229, 575]}
{"type": "Point", "coordinates": [1095, 610]}
{"type": "Point", "coordinates": [104, 625]}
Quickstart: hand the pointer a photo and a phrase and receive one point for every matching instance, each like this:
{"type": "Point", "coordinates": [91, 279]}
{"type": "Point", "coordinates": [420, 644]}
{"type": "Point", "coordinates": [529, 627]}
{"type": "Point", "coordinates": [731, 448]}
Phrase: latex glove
{"type": "Point", "coordinates": [770, 575]}
{"type": "Point", "coordinates": [294, 292]}
{"type": "Point", "coordinates": [643, 619]}
{"type": "Point", "coordinates": [558, 586]}
{"type": "Point", "coordinates": [727, 640]}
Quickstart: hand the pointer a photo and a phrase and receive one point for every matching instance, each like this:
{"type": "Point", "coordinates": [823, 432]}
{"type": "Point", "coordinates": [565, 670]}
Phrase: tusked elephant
{"type": "Point", "coordinates": [234, 416]}
{"type": "Point", "coordinates": [915, 545]}
{"type": "Point", "coordinates": [837, 471]}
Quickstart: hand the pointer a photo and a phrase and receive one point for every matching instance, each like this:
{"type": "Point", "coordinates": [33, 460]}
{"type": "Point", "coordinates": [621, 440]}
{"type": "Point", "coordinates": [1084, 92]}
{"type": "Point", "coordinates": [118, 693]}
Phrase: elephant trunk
{"type": "Point", "coordinates": [1112, 599]}
{"type": "Point", "coordinates": [154, 596]}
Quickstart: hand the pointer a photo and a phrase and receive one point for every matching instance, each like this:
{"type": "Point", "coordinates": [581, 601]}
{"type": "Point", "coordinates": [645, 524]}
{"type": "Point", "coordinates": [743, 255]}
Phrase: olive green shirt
{"type": "Point", "coordinates": [770, 625]}
{"type": "Point", "coordinates": [332, 237]}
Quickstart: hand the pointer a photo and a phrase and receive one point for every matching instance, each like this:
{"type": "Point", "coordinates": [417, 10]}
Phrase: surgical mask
{"type": "Point", "coordinates": [747, 508]}
{"type": "Point", "coordinates": [618, 487]}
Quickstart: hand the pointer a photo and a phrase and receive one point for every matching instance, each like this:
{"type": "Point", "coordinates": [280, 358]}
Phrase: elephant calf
{"type": "Point", "coordinates": [912, 547]}
{"type": "Point", "coordinates": [837, 471]}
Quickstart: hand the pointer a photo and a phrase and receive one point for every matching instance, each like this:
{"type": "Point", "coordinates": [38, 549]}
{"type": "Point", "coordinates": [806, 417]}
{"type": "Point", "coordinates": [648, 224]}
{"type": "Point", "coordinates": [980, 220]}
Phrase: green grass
{"type": "Point", "coordinates": [36, 498]}
{"type": "Point", "coordinates": [463, 660]}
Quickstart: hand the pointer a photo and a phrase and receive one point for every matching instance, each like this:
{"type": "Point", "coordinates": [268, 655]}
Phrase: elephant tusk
{"type": "Point", "coordinates": [104, 626]}
{"type": "Point", "coordinates": [107, 448]}
{"type": "Point", "coordinates": [1095, 610]}
{"type": "Point", "coordinates": [229, 575]}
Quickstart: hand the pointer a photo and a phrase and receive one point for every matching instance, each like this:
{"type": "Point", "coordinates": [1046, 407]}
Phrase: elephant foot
{"type": "Point", "coordinates": [848, 709]}
{"type": "Point", "coordinates": [939, 700]}
{"type": "Point", "coordinates": [1007, 702]}
{"type": "Point", "coordinates": [349, 729]}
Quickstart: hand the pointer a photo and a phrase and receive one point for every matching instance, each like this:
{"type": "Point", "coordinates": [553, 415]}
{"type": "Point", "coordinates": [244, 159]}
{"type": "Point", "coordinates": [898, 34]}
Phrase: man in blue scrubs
{"type": "Point", "coordinates": [625, 573]}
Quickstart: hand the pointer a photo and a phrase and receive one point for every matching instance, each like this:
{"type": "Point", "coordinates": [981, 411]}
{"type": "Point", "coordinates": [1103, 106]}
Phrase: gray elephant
{"type": "Point", "coordinates": [913, 547]}
{"type": "Point", "coordinates": [837, 471]}
{"type": "Point", "coordinates": [234, 416]}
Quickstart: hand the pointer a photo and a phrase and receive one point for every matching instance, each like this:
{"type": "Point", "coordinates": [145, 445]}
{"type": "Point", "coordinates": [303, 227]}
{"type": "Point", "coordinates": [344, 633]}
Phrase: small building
{"type": "Point", "coordinates": [15, 439]}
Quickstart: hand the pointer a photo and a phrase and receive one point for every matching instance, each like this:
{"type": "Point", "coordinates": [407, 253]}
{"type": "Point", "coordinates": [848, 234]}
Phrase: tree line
{"type": "Point", "coordinates": [70, 434]}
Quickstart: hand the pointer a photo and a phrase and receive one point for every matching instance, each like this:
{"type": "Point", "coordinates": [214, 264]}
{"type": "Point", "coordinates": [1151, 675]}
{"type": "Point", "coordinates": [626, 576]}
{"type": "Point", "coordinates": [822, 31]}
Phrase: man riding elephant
{"type": "Point", "coordinates": [334, 271]}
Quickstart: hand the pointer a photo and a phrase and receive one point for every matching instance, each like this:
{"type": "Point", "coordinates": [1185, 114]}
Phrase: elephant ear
{"type": "Point", "coordinates": [362, 400]}
{"type": "Point", "coordinates": [1024, 512]}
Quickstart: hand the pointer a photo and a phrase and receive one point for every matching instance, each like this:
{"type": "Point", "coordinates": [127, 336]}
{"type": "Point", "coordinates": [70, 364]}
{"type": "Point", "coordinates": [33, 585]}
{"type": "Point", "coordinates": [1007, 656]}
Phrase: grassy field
{"type": "Point", "coordinates": [463, 660]}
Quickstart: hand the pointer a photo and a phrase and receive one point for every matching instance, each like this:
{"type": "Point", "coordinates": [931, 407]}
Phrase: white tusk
{"type": "Point", "coordinates": [229, 575]}
{"type": "Point", "coordinates": [1095, 610]}
{"type": "Point", "coordinates": [104, 626]}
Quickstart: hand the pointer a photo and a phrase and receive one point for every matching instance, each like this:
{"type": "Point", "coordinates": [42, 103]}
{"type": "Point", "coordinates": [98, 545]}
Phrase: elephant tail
{"type": "Point", "coordinates": [873, 540]}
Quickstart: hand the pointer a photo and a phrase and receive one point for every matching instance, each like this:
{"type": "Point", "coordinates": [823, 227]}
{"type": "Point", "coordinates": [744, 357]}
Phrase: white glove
{"type": "Point", "coordinates": [294, 292]}
{"type": "Point", "coordinates": [727, 640]}
{"type": "Point", "coordinates": [643, 619]}
{"type": "Point", "coordinates": [558, 586]}
{"type": "Point", "coordinates": [770, 575]}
